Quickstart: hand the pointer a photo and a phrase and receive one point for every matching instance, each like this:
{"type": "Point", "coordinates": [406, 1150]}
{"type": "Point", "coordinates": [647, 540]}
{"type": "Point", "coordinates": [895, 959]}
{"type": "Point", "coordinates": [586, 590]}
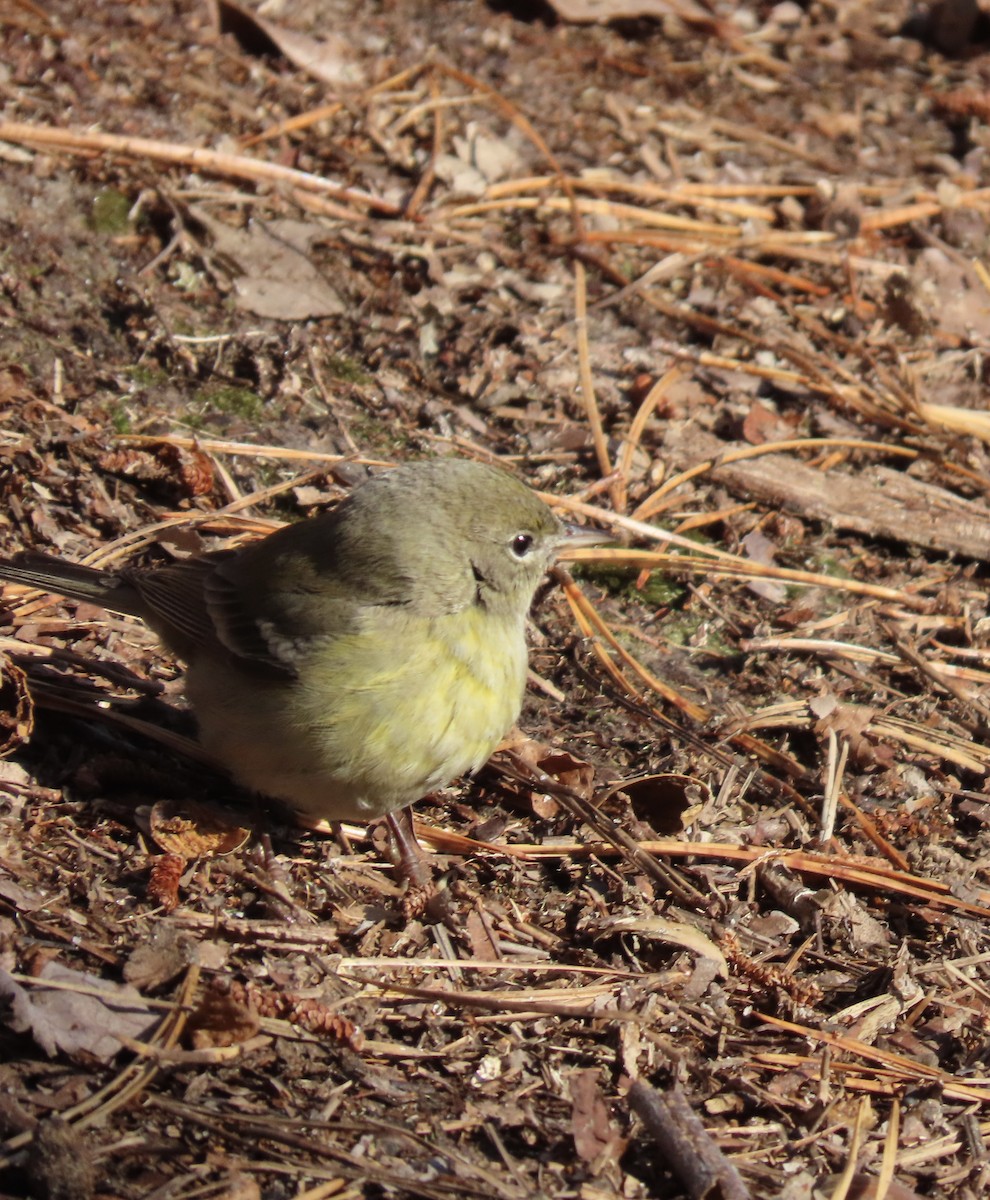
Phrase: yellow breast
{"type": "Point", "coordinates": [377, 718]}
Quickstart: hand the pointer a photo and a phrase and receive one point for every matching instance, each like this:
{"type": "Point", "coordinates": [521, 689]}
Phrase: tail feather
{"type": "Point", "coordinates": [106, 588]}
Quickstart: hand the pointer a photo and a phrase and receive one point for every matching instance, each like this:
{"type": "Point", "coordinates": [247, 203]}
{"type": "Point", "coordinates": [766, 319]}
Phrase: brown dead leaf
{"type": "Point", "coordinates": [759, 548]}
{"type": "Point", "coordinates": [278, 278]}
{"type": "Point", "coordinates": [764, 424]}
{"type": "Point", "coordinates": [330, 59]}
{"type": "Point", "coordinates": [561, 767]}
{"type": "Point", "coordinates": [950, 294]}
{"type": "Point", "coordinates": [14, 389]}
{"type": "Point", "coordinates": [762, 550]}
{"type": "Point", "coordinates": [159, 960]}
{"type": "Point", "coordinates": [23, 900]}
{"type": "Point", "coordinates": [570, 771]}
{"type": "Point", "coordinates": [84, 1018]}
{"type": "Point", "coordinates": [666, 802]}
{"type": "Point", "coordinates": [194, 830]}
{"type": "Point", "coordinates": [860, 929]}
{"type": "Point", "coordinates": [593, 1132]}
{"type": "Point", "coordinates": [851, 722]}
{"type": "Point", "coordinates": [225, 1017]}
{"type": "Point", "coordinates": [679, 933]}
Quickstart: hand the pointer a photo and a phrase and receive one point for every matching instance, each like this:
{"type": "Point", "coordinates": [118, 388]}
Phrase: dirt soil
{"type": "Point", "coordinates": [714, 280]}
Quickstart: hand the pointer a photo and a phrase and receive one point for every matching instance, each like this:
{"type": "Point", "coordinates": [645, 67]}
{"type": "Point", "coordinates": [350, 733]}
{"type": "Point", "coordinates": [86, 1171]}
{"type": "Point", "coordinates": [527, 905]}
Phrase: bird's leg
{"type": "Point", "coordinates": [411, 859]}
{"type": "Point", "coordinates": [274, 882]}
{"type": "Point", "coordinates": [412, 864]}
{"type": "Point", "coordinates": [341, 835]}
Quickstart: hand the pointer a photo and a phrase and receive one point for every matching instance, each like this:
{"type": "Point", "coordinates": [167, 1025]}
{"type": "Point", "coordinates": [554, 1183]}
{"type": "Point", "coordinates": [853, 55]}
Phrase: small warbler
{"type": "Point", "coordinates": [353, 662]}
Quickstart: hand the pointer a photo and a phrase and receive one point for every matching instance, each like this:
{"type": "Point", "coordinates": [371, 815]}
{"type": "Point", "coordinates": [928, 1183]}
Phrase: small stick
{"type": "Point", "coordinates": [689, 1149]}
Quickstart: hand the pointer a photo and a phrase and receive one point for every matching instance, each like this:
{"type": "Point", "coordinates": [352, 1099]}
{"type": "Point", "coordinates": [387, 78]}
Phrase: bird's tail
{"type": "Point", "coordinates": [106, 588]}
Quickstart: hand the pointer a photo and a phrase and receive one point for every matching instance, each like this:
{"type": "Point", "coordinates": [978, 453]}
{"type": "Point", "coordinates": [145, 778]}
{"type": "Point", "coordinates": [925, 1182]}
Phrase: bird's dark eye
{"type": "Point", "coordinates": [522, 543]}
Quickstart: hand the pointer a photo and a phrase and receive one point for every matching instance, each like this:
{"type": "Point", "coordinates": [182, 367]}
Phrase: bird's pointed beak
{"type": "Point", "coordinates": [580, 537]}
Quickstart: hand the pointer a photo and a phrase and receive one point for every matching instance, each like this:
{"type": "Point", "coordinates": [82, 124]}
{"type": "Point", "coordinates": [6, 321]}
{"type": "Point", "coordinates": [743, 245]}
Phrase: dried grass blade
{"type": "Point", "coordinates": [584, 365]}
{"type": "Point", "coordinates": [234, 166]}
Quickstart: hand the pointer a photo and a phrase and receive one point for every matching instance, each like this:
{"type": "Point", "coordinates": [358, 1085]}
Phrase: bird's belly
{"type": "Point", "coordinates": [375, 721]}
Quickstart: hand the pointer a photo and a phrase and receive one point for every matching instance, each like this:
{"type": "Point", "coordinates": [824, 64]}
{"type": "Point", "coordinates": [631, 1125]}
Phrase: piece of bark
{"type": "Point", "coordinates": [690, 1151]}
{"type": "Point", "coordinates": [875, 501]}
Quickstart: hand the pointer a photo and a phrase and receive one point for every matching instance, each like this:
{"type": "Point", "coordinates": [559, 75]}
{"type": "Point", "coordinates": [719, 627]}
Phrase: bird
{"type": "Point", "coordinates": [352, 662]}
